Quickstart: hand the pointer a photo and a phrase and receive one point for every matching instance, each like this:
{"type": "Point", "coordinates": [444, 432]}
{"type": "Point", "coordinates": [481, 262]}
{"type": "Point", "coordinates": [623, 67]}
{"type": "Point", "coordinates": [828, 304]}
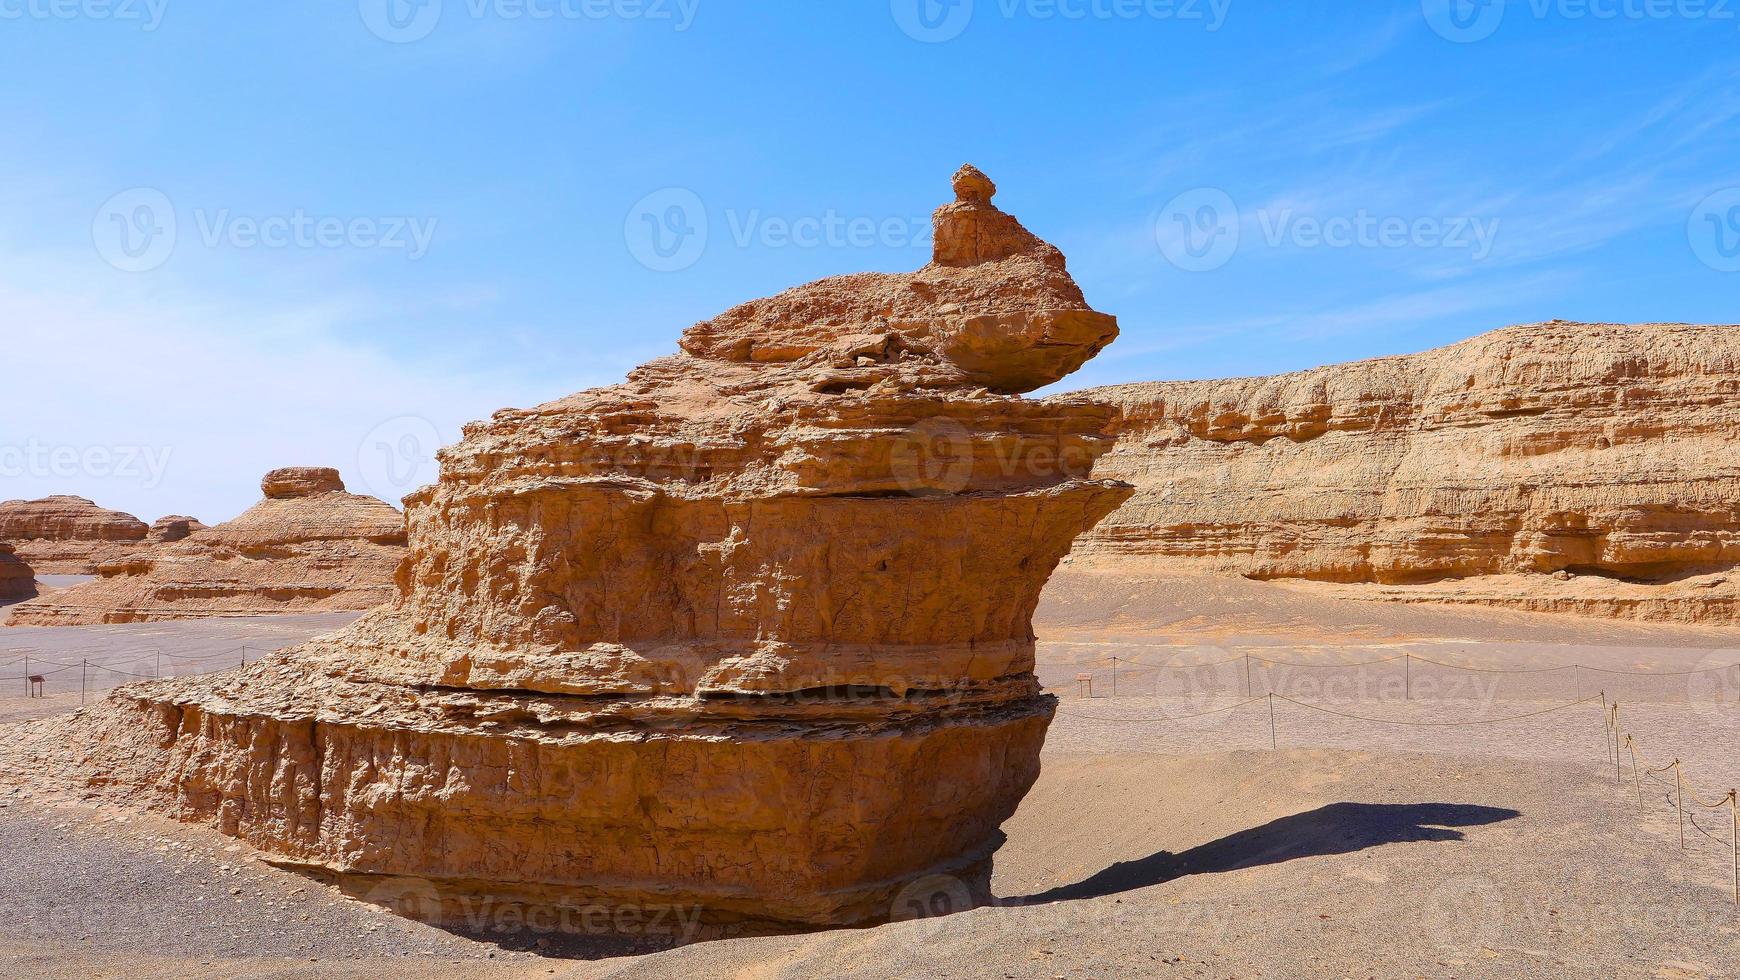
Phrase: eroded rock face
{"type": "Point", "coordinates": [301, 481]}
{"type": "Point", "coordinates": [1569, 467]}
{"type": "Point", "coordinates": [309, 547]}
{"type": "Point", "coordinates": [748, 633]}
{"type": "Point", "coordinates": [167, 530]}
{"type": "Point", "coordinates": [17, 581]}
{"type": "Point", "coordinates": [68, 535]}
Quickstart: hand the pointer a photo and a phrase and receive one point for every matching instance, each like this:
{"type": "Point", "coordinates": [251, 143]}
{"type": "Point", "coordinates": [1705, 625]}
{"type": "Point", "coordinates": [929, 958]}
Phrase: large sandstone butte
{"type": "Point", "coordinates": [17, 580]}
{"type": "Point", "coordinates": [68, 535]}
{"type": "Point", "coordinates": [1567, 467]}
{"type": "Point", "coordinates": [308, 547]}
{"type": "Point", "coordinates": [750, 632]}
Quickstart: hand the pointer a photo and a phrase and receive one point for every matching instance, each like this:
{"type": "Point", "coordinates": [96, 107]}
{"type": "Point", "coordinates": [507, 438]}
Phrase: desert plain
{"type": "Point", "coordinates": [1158, 841]}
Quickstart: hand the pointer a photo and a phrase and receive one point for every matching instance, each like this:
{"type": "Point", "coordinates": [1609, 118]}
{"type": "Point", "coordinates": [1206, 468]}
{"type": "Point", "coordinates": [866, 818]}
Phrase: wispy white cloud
{"type": "Point", "coordinates": [221, 391]}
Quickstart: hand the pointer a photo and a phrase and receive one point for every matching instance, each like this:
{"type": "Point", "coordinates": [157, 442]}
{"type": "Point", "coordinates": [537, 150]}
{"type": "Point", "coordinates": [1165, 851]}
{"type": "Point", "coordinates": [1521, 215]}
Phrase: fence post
{"type": "Point", "coordinates": [1636, 777]}
{"type": "Point", "coordinates": [1617, 779]}
{"type": "Point", "coordinates": [1247, 675]}
{"type": "Point", "coordinates": [1679, 802]}
{"type": "Point", "coordinates": [84, 665]}
{"type": "Point", "coordinates": [1577, 672]}
{"type": "Point", "coordinates": [1273, 746]}
{"type": "Point", "coordinates": [1734, 811]}
{"type": "Point", "coordinates": [1606, 731]}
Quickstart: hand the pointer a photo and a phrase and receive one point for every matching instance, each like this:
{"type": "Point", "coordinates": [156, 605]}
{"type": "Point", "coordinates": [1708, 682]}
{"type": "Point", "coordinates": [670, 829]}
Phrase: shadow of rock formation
{"type": "Point", "coordinates": [1339, 828]}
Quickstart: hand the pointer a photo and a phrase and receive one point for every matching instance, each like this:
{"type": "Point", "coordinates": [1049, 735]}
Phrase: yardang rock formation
{"type": "Point", "coordinates": [750, 631]}
{"type": "Point", "coordinates": [1568, 467]}
{"type": "Point", "coordinates": [68, 535]}
{"type": "Point", "coordinates": [308, 547]}
{"type": "Point", "coordinates": [17, 580]}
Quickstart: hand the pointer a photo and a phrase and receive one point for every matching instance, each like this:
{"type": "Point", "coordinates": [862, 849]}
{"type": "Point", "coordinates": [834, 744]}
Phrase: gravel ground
{"type": "Point", "coordinates": [1155, 844]}
{"type": "Point", "coordinates": [1236, 864]}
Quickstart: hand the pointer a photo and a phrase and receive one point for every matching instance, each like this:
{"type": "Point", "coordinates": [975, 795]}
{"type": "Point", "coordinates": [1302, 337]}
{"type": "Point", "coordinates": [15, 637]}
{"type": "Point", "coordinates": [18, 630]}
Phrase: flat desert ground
{"type": "Point", "coordinates": [1429, 793]}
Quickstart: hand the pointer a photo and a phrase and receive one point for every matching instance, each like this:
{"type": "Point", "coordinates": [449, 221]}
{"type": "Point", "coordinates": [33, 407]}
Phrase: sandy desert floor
{"type": "Point", "coordinates": [1165, 838]}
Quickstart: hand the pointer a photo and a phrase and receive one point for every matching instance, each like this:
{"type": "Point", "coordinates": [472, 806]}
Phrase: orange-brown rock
{"type": "Point", "coordinates": [308, 547]}
{"type": "Point", "coordinates": [749, 633]}
{"type": "Point", "coordinates": [17, 581]}
{"type": "Point", "coordinates": [167, 530]}
{"type": "Point", "coordinates": [1569, 467]}
{"type": "Point", "coordinates": [68, 535]}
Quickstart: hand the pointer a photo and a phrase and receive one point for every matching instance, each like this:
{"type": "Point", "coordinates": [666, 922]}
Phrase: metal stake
{"type": "Point", "coordinates": [1272, 744]}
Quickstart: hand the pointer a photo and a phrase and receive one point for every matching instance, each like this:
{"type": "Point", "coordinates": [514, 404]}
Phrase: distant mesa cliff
{"type": "Point", "coordinates": [308, 547]}
{"type": "Point", "coordinates": [1569, 467]}
{"type": "Point", "coordinates": [68, 535]}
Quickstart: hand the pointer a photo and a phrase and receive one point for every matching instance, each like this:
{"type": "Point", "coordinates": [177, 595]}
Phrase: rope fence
{"type": "Point", "coordinates": [35, 672]}
{"type": "Point", "coordinates": [1410, 674]}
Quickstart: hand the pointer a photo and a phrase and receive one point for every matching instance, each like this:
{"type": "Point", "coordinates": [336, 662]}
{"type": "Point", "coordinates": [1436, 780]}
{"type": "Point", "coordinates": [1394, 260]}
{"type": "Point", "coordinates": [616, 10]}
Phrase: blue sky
{"type": "Point", "coordinates": [388, 220]}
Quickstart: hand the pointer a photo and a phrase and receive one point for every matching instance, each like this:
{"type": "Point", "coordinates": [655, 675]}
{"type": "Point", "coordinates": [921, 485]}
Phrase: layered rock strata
{"type": "Point", "coordinates": [68, 535]}
{"type": "Point", "coordinates": [168, 530]}
{"type": "Point", "coordinates": [308, 547]}
{"type": "Point", "coordinates": [749, 633]}
{"type": "Point", "coordinates": [1569, 467]}
{"type": "Point", "coordinates": [17, 580]}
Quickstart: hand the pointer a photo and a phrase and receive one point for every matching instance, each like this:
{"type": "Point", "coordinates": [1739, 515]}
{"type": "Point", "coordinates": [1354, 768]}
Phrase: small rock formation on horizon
{"type": "Point", "coordinates": [68, 535]}
{"type": "Point", "coordinates": [1559, 467]}
{"type": "Point", "coordinates": [749, 632]}
{"type": "Point", "coordinates": [308, 547]}
{"type": "Point", "coordinates": [168, 530]}
{"type": "Point", "coordinates": [17, 580]}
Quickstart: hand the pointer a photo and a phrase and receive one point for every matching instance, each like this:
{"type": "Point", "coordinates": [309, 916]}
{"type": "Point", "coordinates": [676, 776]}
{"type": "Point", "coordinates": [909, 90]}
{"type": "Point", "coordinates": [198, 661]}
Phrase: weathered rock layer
{"type": "Point", "coordinates": [750, 632]}
{"type": "Point", "coordinates": [17, 580]}
{"type": "Point", "coordinates": [1570, 467]}
{"type": "Point", "coordinates": [308, 547]}
{"type": "Point", "coordinates": [68, 535]}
